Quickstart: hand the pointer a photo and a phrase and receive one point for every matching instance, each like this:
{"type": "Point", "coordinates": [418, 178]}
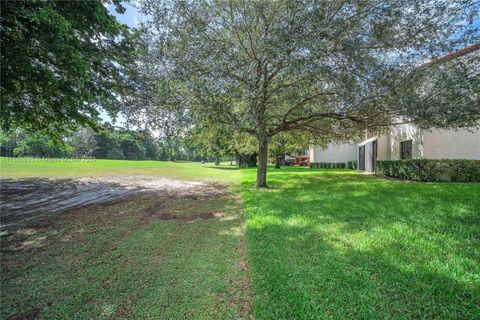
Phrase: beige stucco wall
{"type": "Point", "coordinates": [451, 144]}
{"type": "Point", "coordinates": [333, 153]}
{"type": "Point", "coordinates": [402, 133]}
{"type": "Point", "coordinates": [383, 150]}
{"type": "Point", "coordinates": [430, 144]}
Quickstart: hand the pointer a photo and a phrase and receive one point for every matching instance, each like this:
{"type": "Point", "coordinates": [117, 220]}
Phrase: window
{"type": "Point", "coordinates": [406, 149]}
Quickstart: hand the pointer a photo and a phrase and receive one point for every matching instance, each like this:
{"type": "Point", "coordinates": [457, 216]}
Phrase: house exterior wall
{"type": "Point", "coordinates": [401, 133]}
{"type": "Point", "coordinates": [451, 144]}
{"type": "Point", "coordinates": [433, 144]}
{"type": "Point", "coordinates": [334, 153]}
{"type": "Point", "coordinates": [426, 144]}
{"type": "Point", "coordinates": [383, 150]}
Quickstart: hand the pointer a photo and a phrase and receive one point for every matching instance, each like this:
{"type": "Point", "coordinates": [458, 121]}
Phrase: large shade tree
{"type": "Point", "coordinates": [329, 67]}
{"type": "Point", "coordinates": [61, 63]}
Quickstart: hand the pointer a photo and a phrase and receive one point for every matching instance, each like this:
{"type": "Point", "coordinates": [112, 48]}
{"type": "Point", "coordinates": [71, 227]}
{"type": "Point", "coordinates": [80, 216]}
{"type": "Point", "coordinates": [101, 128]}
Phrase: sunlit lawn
{"type": "Point", "coordinates": [340, 245]}
{"type": "Point", "coordinates": [15, 168]}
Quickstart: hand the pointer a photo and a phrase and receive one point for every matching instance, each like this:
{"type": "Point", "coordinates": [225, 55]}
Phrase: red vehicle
{"type": "Point", "coordinates": [302, 161]}
{"type": "Point", "coordinates": [296, 160]}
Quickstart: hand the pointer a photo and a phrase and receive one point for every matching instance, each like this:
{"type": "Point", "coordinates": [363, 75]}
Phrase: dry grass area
{"type": "Point", "coordinates": [157, 254]}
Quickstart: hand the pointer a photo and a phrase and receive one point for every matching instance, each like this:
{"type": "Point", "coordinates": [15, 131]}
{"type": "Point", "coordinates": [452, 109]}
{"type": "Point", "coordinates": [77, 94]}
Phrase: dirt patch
{"type": "Point", "coordinates": [32, 315]}
{"type": "Point", "coordinates": [34, 199]}
{"type": "Point", "coordinates": [23, 240]}
{"type": "Point", "coordinates": [184, 206]}
{"type": "Point", "coordinates": [191, 217]}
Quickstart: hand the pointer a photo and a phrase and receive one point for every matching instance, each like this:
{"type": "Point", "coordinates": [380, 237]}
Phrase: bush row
{"type": "Point", "coordinates": [431, 169]}
{"type": "Point", "coordinates": [352, 164]}
{"type": "Point", "coordinates": [327, 165]}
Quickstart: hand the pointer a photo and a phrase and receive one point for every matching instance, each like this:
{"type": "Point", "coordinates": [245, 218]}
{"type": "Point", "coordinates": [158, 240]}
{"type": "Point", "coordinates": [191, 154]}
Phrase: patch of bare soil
{"type": "Point", "coordinates": [191, 217]}
{"type": "Point", "coordinates": [33, 199]}
{"type": "Point", "coordinates": [187, 204]}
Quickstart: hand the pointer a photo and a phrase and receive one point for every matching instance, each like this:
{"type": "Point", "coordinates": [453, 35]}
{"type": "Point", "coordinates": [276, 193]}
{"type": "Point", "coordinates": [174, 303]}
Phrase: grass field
{"type": "Point", "coordinates": [329, 244]}
{"type": "Point", "coordinates": [29, 167]}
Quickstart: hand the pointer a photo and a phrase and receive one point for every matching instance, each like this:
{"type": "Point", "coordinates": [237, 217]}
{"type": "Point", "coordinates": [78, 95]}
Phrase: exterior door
{"type": "Point", "coordinates": [361, 158]}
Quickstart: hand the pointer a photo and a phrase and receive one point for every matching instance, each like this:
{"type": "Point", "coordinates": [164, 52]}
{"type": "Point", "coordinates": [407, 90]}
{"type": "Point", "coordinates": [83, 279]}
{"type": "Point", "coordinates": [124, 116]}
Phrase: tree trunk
{"type": "Point", "coordinates": [277, 162]}
{"type": "Point", "coordinates": [217, 161]}
{"type": "Point", "coordinates": [262, 162]}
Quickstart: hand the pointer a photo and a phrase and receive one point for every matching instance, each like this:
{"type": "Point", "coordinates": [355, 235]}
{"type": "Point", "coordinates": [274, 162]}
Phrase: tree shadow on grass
{"type": "Point", "coordinates": [357, 246]}
{"type": "Point", "coordinates": [364, 203]}
{"type": "Point", "coordinates": [302, 272]}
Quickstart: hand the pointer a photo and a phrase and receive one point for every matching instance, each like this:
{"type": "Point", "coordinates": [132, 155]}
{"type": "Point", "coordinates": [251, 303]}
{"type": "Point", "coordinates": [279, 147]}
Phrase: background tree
{"type": "Point", "coordinates": [245, 149]}
{"type": "Point", "coordinates": [61, 61]}
{"type": "Point", "coordinates": [107, 144]}
{"type": "Point", "coordinates": [211, 139]}
{"type": "Point", "coordinates": [132, 148]}
{"type": "Point", "coordinates": [38, 145]}
{"type": "Point", "coordinates": [289, 142]}
{"type": "Point", "coordinates": [329, 67]}
{"type": "Point", "coordinates": [82, 142]}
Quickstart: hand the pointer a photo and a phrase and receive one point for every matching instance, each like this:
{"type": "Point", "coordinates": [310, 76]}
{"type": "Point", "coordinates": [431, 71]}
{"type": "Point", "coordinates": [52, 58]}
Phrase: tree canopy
{"type": "Point", "coordinates": [61, 63]}
{"type": "Point", "coordinates": [107, 143]}
{"type": "Point", "coordinates": [331, 68]}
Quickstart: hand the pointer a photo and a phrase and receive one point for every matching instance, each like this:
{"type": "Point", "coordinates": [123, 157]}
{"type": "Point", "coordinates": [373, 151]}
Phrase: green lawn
{"type": "Point", "coordinates": [329, 244]}
{"type": "Point", "coordinates": [340, 245]}
{"type": "Point", "coordinates": [17, 168]}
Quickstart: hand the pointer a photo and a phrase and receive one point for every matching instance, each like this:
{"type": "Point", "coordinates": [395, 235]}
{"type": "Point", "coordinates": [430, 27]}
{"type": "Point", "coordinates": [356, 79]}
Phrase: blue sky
{"type": "Point", "coordinates": [129, 17]}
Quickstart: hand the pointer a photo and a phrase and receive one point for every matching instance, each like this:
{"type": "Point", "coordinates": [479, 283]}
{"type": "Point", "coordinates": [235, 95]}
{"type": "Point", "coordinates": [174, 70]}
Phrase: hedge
{"type": "Point", "coordinates": [352, 164]}
{"type": "Point", "coordinates": [431, 169]}
{"type": "Point", "coordinates": [327, 165]}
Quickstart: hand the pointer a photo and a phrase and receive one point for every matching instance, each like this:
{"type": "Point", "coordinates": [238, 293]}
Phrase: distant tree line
{"type": "Point", "coordinates": [211, 144]}
{"type": "Point", "coordinates": [108, 143]}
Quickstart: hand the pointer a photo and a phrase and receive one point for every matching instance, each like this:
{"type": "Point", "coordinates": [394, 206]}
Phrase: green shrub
{"type": "Point", "coordinates": [352, 164]}
{"type": "Point", "coordinates": [431, 169]}
{"type": "Point", "coordinates": [328, 165]}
